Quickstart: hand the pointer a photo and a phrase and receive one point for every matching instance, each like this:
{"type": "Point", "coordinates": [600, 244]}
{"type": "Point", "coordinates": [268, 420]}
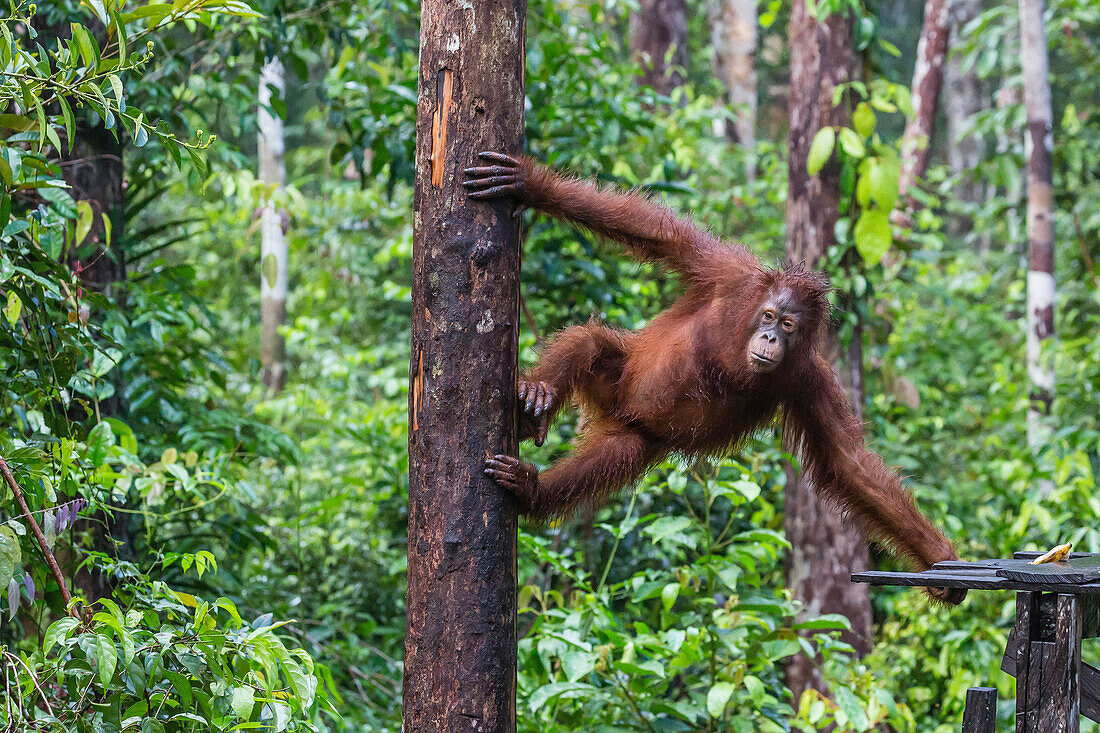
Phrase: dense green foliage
{"type": "Point", "coordinates": [249, 548]}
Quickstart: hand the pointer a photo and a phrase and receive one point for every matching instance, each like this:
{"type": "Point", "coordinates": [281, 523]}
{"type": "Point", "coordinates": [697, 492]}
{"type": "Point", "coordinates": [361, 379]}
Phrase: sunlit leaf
{"type": "Point", "coordinates": [820, 150]}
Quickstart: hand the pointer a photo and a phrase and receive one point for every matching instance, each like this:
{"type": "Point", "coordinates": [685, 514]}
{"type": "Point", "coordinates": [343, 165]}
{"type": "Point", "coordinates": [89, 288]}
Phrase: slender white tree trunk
{"type": "Point", "coordinates": [273, 248]}
{"type": "Point", "coordinates": [734, 32]}
{"type": "Point", "coordinates": [1040, 226]}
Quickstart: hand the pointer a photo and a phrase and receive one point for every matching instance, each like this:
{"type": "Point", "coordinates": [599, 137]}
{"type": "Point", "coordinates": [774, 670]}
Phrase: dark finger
{"type": "Point", "coordinates": [524, 388]}
{"type": "Point", "coordinates": [490, 170]}
{"type": "Point", "coordinates": [493, 192]}
{"type": "Point", "coordinates": [498, 157]}
{"type": "Point", "coordinates": [486, 182]}
{"type": "Point", "coordinates": [509, 460]}
{"type": "Point", "coordinates": [497, 465]}
{"type": "Point", "coordinates": [540, 404]}
{"type": "Point", "coordinates": [502, 478]}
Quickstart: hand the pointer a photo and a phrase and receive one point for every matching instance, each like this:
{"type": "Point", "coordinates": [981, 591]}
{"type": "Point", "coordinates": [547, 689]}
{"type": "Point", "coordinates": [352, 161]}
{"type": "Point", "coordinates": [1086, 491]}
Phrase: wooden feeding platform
{"type": "Point", "coordinates": [1057, 605]}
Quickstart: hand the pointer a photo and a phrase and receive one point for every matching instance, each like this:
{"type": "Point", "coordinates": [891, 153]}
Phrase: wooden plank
{"type": "Point", "coordinates": [930, 579]}
{"type": "Point", "coordinates": [980, 714]}
{"type": "Point", "coordinates": [1074, 570]}
{"type": "Point", "coordinates": [1059, 693]}
{"type": "Point", "coordinates": [1032, 554]}
{"type": "Point", "coordinates": [945, 579]}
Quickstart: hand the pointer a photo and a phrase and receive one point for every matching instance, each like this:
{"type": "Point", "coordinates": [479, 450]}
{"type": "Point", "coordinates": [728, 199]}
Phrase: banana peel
{"type": "Point", "coordinates": [1053, 555]}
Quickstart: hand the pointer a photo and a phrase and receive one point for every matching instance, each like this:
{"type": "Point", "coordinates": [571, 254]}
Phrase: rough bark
{"type": "Point", "coordinates": [274, 257]}
{"type": "Point", "coordinates": [825, 549]}
{"type": "Point", "coordinates": [735, 40]}
{"type": "Point", "coordinates": [658, 41]}
{"type": "Point", "coordinates": [460, 642]}
{"type": "Point", "coordinates": [961, 101]}
{"type": "Point", "coordinates": [927, 81]}
{"type": "Point", "coordinates": [1038, 144]}
{"type": "Point", "coordinates": [94, 170]}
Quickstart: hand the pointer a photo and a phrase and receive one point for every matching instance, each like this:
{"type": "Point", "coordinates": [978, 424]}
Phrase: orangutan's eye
{"type": "Point", "coordinates": [769, 315]}
{"type": "Point", "coordinates": [788, 325]}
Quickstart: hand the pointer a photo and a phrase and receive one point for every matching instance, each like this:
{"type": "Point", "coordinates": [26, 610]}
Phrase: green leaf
{"type": "Point", "coordinates": [820, 150]}
{"type": "Point", "coordinates": [106, 229]}
{"type": "Point", "coordinates": [748, 489]}
{"type": "Point", "coordinates": [18, 123]}
{"type": "Point", "coordinates": [89, 49]}
{"type": "Point", "coordinates": [67, 119]}
{"type": "Point", "coordinates": [863, 119]}
{"type": "Point", "coordinates": [669, 594]}
{"type": "Point", "coordinates": [141, 135]}
{"type": "Point", "coordinates": [873, 237]}
{"type": "Point", "coordinates": [849, 704]}
{"type": "Point", "coordinates": [13, 598]}
{"type": "Point", "coordinates": [100, 11]}
{"type": "Point", "coordinates": [827, 621]}
{"type": "Point", "coordinates": [57, 632]}
{"type": "Point", "coordinates": [105, 659]}
{"type": "Point", "coordinates": [14, 308]}
{"type": "Point", "coordinates": [546, 693]}
{"type": "Point", "coordinates": [84, 215]}
{"type": "Point", "coordinates": [197, 161]}
{"type": "Point", "coordinates": [270, 269]}
{"type": "Point", "coordinates": [851, 143]}
{"type": "Point", "coordinates": [577, 664]}
{"type": "Point", "coordinates": [242, 702]}
{"type": "Point", "coordinates": [883, 178]}
{"type": "Point", "coordinates": [717, 698]}
{"type": "Point", "coordinates": [116, 86]}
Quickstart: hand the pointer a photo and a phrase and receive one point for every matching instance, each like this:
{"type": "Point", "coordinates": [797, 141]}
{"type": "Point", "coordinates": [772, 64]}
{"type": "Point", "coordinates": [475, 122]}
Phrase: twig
{"type": "Point", "coordinates": [30, 673]}
{"type": "Point", "coordinates": [51, 561]}
{"type": "Point", "coordinates": [530, 320]}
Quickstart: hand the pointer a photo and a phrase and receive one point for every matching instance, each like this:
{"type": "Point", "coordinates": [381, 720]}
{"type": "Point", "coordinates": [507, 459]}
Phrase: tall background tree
{"type": "Point", "coordinates": [274, 255]}
{"type": "Point", "coordinates": [735, 34]}
{"type": "Point", "coordinates": [825, 549]}
{"type": "Point", "coordinates": [1040, 222]}
{"type": "Point", "coordinates": [916, 144]}
{"type": "Point", "coordinates": [658, 40]}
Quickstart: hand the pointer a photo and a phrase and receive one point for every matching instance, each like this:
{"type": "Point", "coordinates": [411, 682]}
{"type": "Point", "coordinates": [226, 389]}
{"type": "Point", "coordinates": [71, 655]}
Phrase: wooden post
{"type": "Point", "coordinates": [1048, 667]}
{"type": "Point", "coordinates": [980, 715]}
{"type": "Point", "coordinates": [1060, 704]}
{"type": "Point", "coordinates": [460, 643]}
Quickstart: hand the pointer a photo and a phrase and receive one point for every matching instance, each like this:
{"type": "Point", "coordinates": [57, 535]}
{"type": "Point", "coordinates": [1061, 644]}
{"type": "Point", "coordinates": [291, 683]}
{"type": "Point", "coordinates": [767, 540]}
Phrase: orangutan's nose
{"type": "Point", "coordinates": [771, 337]}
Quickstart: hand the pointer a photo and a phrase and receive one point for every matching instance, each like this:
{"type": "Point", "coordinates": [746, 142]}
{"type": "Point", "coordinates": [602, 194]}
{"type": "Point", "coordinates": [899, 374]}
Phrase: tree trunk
{"type": "Point", "coordinates": [1040, 224]}
{"type": "Point", "coordinates": [735, 39]}
{"type": "Point", "coordinates": [270, 149]}
{"type": "Point", "coordinates": [94, 170]}
{"type": "Point", "coordinates": [916, 143]}
{"type": "Point", "coordinates": [658, 41]}
{"type": "Point", "coordinates": [963, 100]}
{"type": "Point", "coordinates": [825, 549]}
{"type": "Point", "coordinates": [460, 641]}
